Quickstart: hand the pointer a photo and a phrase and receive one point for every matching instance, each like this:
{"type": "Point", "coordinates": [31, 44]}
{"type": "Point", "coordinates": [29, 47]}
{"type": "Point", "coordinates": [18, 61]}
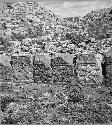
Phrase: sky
{"type": "Point", "coordinates": [71, 8]}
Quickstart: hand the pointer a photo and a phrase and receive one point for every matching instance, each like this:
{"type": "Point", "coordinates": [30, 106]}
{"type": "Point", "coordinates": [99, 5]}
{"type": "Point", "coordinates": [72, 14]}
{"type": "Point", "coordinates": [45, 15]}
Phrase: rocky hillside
{"type": "Point", "coordinates": [54, 70]}
{"type": "Point", "coordinates": [29, 27]}
{"type": "Point", "coordinates": [95, 31]}
{"type": "Point", "coordinates": [99, 23]}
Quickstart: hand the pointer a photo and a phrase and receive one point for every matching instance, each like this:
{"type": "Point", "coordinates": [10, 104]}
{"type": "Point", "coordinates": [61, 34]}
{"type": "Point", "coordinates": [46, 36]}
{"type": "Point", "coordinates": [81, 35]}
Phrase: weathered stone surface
{"type": "Point", "coordinates": [22, 68]}
{"type": "Point", "coordinates": [89, 69]}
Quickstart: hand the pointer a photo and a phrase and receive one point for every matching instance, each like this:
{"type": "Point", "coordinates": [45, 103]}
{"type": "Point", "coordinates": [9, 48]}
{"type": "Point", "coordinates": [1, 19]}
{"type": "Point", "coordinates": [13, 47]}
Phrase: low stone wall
{"type": "Point", "coordinates": [89, 69]}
